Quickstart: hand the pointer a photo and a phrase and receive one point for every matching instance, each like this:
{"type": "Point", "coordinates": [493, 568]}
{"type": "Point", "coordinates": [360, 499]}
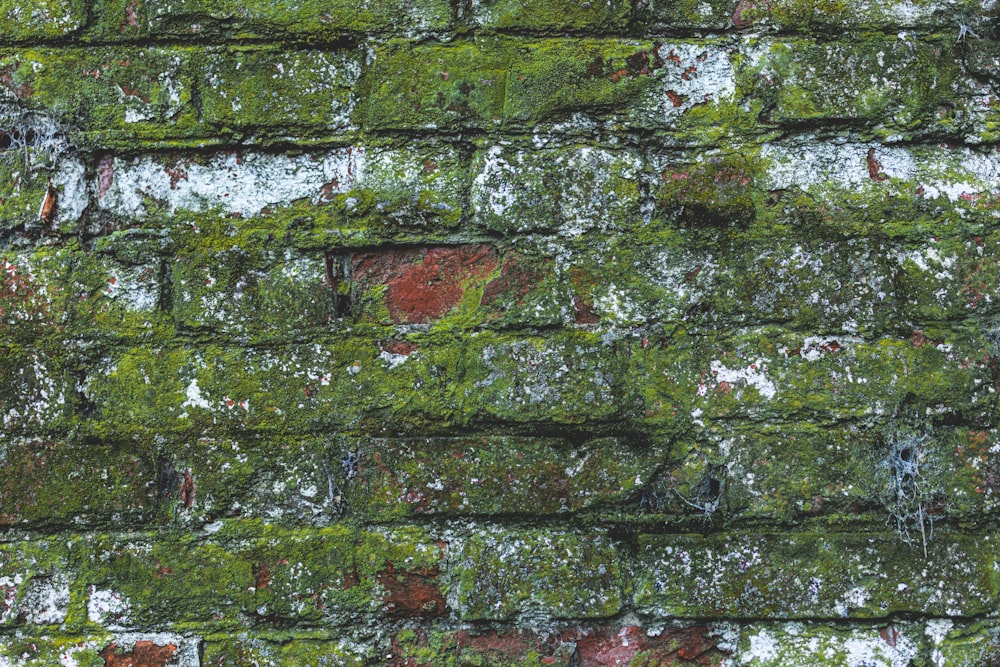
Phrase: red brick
{"type": "Point", "coordinates": [143, 654]}
{"type": "Point", "coordinates": [412, 593]}
{"type": "Point", "coordinates": [424, 284]}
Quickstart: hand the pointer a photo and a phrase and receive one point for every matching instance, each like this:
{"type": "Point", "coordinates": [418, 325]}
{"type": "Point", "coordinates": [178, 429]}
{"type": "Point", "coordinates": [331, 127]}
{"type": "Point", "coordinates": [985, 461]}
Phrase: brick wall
{"type": "Point", "coordinates": [495, 332]}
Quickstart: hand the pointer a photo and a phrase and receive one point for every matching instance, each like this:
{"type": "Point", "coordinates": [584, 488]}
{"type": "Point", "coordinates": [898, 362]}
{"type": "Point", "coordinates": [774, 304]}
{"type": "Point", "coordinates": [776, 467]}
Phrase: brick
{"type": "Point", "coordinates": [38, 393]}
{"type": "Point", "coordinates": [37, 20]}
{"type": "Point", "coordinates": [420, 285]}
{"type": "Point", "coordinates": [120, 285]}
{"type": "Point", "coordinates": [496, 475]}
{"type": "Point", "coordinates": [56, 483]}
{"type": "Point", "coordinates": [516, 15]}
{"type": "Point", "coordinates": [569, 379]}
{"type": "Point", "coordinates": [899, 87]}
{"type": "Point", "coordinates": [124, 20]}
{"type": "Point", "coordinates": [33, 299]}
{"type": "Point", "coordinates": [809, 16]}
{"type": "Point", "coordinates": [689, 14]}
{"type": "Point", "coordinates": [231, 291]}
{"type": "Point", "coordinates": [303, 91]}
{"type": "Point", "coordinates": [571, 191]}
{"type": "Point", "coordinates": [321, 199]}
{"type": "Point", "coordinates": [607, 646]}
{"type": "Point", "coordinates": [804, 576]}
{"type": "Point", "coordinates": [505, 574]}
{"type": "Point", "coordinates": [528, 292]}
{"type": "Point", "coordinates": [112, 96]}
{"type": "Point", "coordinates": [247, 651]}
{"type": "Point", "coordinates": [436, 87]}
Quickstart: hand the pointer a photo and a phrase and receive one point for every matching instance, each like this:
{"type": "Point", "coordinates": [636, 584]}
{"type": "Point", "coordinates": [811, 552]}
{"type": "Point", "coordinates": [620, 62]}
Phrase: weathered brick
{"type": "Point", "coordinates": [231, 291]}
{"type": "Point", "coordinates": [601, 15]}
{"type": "Point", "coordinates": [299, 91]}
{"type": "Point", "coordinates": [321, 199]}
{"type": "Point", "coordinates": [106, 96]}
{"type": "Point", "coordinates": [496, 475]}
{"type": "Point", "coordinates": [809, 575]}
{"type": "Point", "coordinates": [521, 190]}
{"type": "Point", "coordinates": [897, 88]}
{"type": "Point", "coordinates": [37, 394]}
{"type": "Point", "coordinates": [245, 650]}
{"type": "Point", "coordinates": [608, 646]}
{"type": "Point", "coordinates": [420, 285]}
{"type": "Point", "coordinates": [119, 286]}
{"type": "Point", "coordinates": [33, 298]}
{"type": "Point", "coordinates": [810, 16]}
{"type": "Point", "coordinates": [41, 19]}
{"type": "Point", "coordinates": [505, 574]}
{"type": "Point", "coordinates": [53, 483]}
{"type": "Point", "coordinates": [436, 87]}
{"type": "Point", "coordinates": [220, 20]}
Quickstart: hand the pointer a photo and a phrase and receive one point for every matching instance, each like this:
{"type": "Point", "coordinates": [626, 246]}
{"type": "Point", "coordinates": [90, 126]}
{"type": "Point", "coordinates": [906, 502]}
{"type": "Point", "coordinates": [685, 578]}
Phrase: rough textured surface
{"type": "Point", "coordinates": [409, 333]}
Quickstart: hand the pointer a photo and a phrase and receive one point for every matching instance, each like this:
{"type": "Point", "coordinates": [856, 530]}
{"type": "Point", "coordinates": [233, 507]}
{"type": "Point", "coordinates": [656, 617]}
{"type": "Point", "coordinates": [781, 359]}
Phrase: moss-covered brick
{"type": "Point", "coordinates": [528, 292]}
{"type": "Point", "coordinates": [131, 582]}
{"type": "Point", "coordinates": [902, 88]}
{"type": "Point", "coordinates": [420, 285]}
{"type": "Point", "coordinates": [29, 20]}
{"type": "Point", "coordinates": [503, 574]}
{"type": "Point", "coordinates": [811, 16]}
{"type": "Point", "coordinates": [250, 90]}
{"type": "Point", "coordinates": [340, 573]}
{"type": "Point", "coordinates": [802, 644]}
{"type": "Point", "coordinates": [248, 650]}
{"type": "Point", "coordinates": [96, 649]}
{"type": "Point", "coordinates": [255, 294]}
{"type": "Point", "coordinates": [285, 480]}
{"type": "Point", "coordinates": [37, 393]}
{"type": "Point", "coordinates": [34, 302]}
{"type": "Point", "coordinates": [598, 16]}
{"type": "Point", "coordinates": [35, 579]}
{"type": "Point", "coordinates": [717, 191]}
{"type": "Point", "coordinates": [572, 378]}
{"type": "Point", "coordinates": [818, 377]}
{"type": "Point", "coordinates": [348, 384]}
{"type": "Point", "coordinates": [689, 14]}
{"type": "Point", "coordinates": [125, 20]}
{"type": "Point", "coordinates": [497, 475]}
{"type": "Point", "coordinates": [59, 483]}
{"type": "Point", "coordinates": [618, 644]}
{"type": "Point", "coordinates": [119, 287]}
{"type": "Point", "coordinates": [436, 87]}
{"type": "Point", "coordinates": [325, 199]}
{"type": "Point", "coordinates": [569, 190]}
{"type": "Point", "coordinates": [811, 575]}
{"type": "Point", "coordinates": [106, 96]}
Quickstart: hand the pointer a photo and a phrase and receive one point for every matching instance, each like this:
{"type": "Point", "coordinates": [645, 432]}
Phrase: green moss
{"type": "Point", "coordinates": [41, 19]}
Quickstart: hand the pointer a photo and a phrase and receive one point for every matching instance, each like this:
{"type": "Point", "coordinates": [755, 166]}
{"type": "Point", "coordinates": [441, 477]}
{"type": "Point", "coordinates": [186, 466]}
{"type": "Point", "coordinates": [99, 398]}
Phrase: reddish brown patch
{"type": "Point", "coordinates": [738, 19]}
{"type": "Point", "coordinates": [874, 167]}
{"type": "Point", "coordinates": [518, 275]}
{"type": "Point", "coordinates": [412, 593]}
{"type": "Point", "coordinates": [143, 654]}
{"type": "Point", "coordinates": [132, 91]}
{"type": "Point", "coordinates": [889, 635]}
{"type": "Point", "coordinates": [675, 98]}
{"type": "Point", "coordinates": [187, 489]}
{"type": "Point", "coordinates": [20, 90]}
{"type": "Point", "coordinates": [919, 339]}
{"type": "Point", "coordinates": [423, 284]}
{"type": "Point", "coordinates": [583, 313]}
{"type": "Point", "coordinates": [261, 576]}
{"type": "Point", "coordinates": [176, 174]}
{"type": "Point", "coordinates": [131, 16]}
{"type": "Point", "coordinates": [49, 204]}
{"type": "Point", "coordinates": [402, 347]}
{"type": "Point", "coordinates": [105, 174]}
